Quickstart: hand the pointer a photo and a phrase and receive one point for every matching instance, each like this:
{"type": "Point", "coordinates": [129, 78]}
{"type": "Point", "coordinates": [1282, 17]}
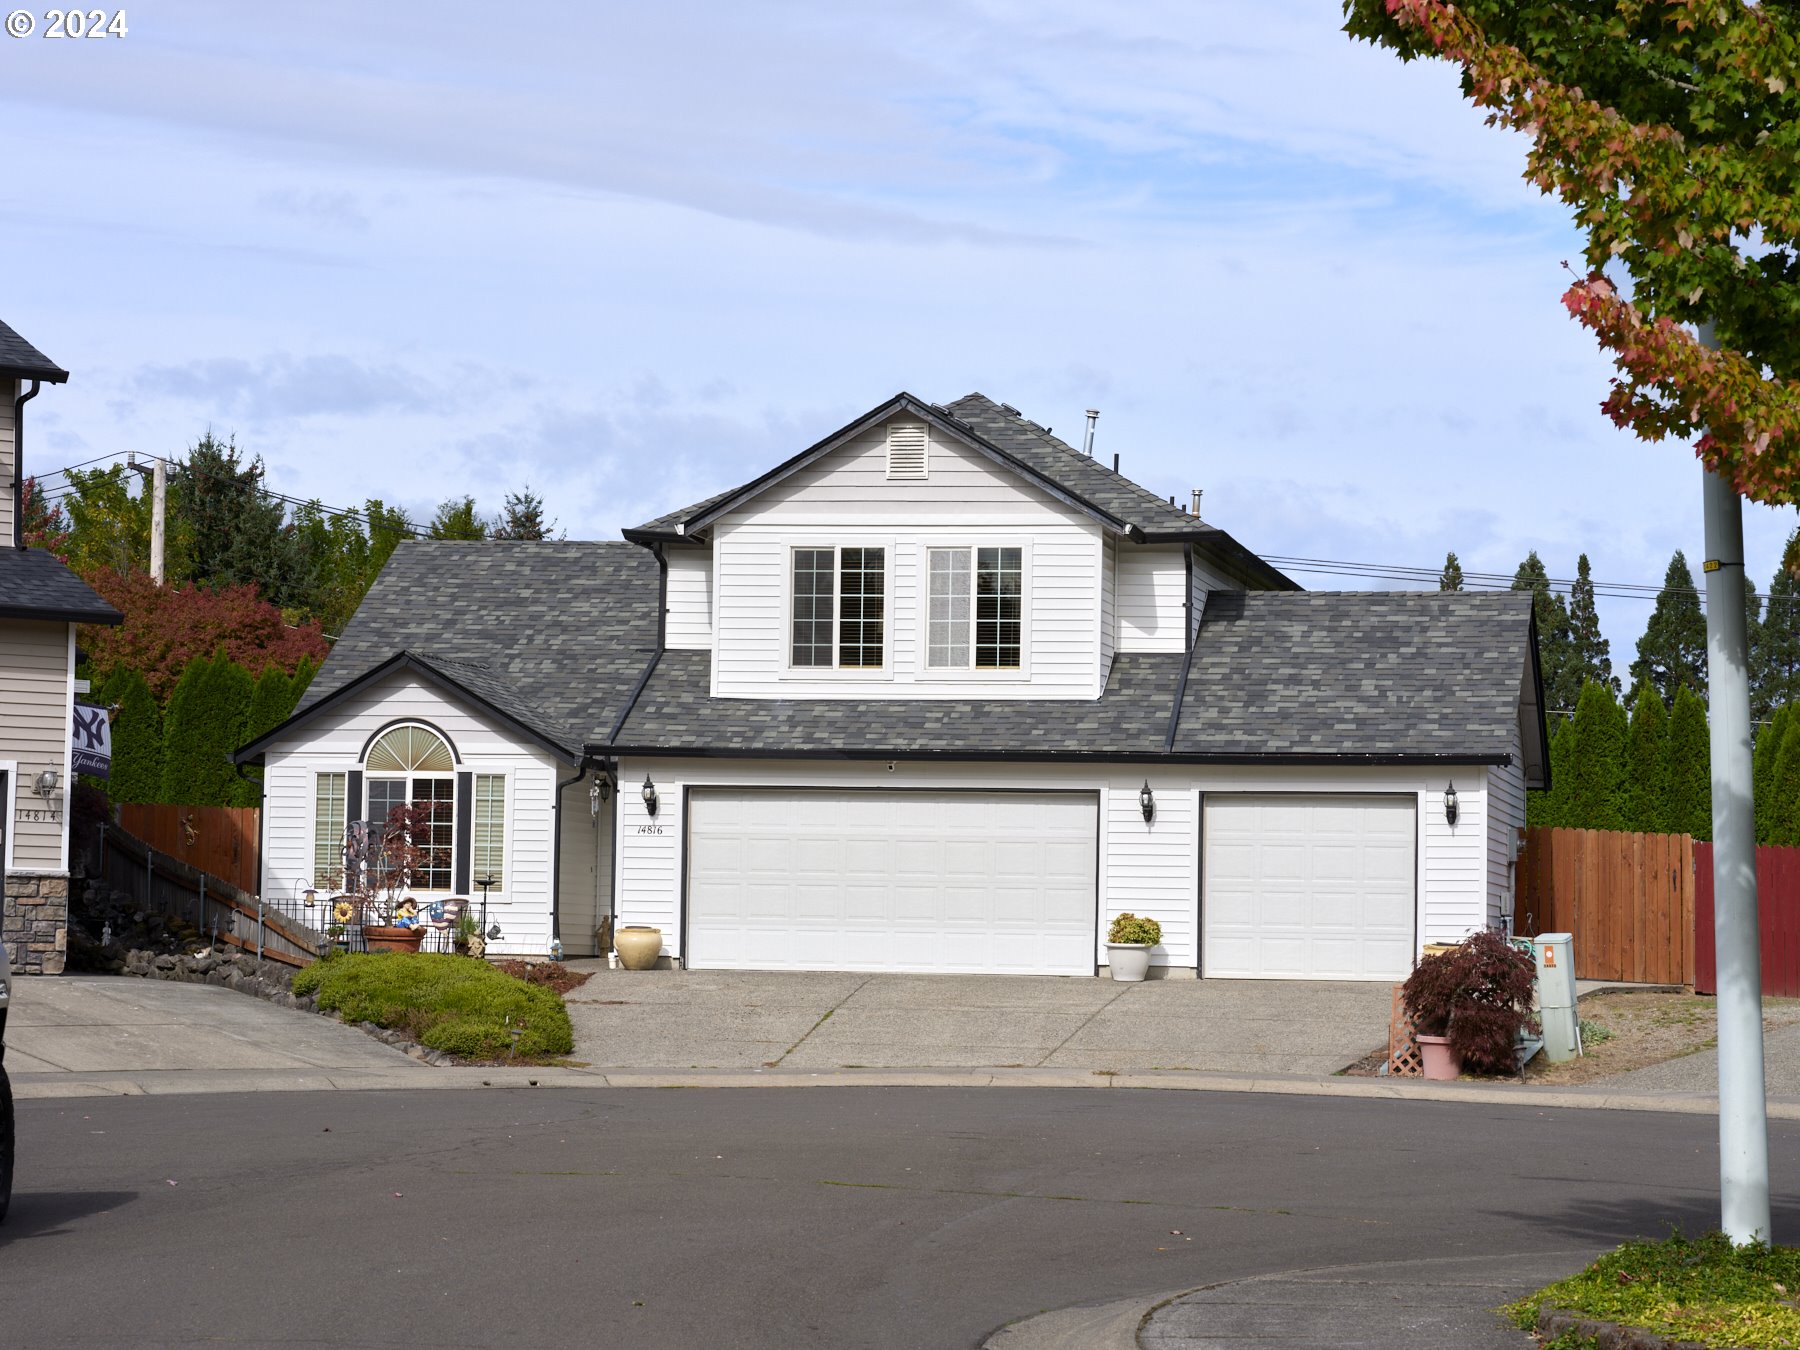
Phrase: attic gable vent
{"type": "Point", "coordinates": [906, 442]}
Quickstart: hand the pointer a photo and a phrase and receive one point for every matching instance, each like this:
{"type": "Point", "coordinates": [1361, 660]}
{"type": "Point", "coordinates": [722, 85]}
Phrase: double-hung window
{"type": "Point", "coordinates": [839, 608]}
{"type": "Point", "coordinates": [976, 618]}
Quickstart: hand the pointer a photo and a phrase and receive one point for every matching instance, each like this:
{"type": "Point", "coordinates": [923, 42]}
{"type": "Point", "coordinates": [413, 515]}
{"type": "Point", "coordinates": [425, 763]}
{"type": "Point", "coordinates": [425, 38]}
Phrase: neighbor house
{"type": "Point", "coordinates": [41, 601]}
{"type": "Point", "coordinates": [939, 693]}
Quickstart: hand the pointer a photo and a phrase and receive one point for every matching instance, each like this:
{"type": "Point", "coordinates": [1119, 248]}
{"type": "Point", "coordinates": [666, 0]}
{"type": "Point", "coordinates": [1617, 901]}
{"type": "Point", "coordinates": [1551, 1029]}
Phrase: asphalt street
{"type": "Point", "coordinates": [840, 1217]}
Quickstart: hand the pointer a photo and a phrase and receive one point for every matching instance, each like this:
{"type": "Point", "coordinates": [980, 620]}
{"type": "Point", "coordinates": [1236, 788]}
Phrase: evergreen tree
{"type": "Point", "coordinates": [205, 723]}
{"type": "Point", "coordinates": [1647, 765]}
{"type": "Point", "coordinates": [1597, 771]}
{"type": "Point", "coordinates": [297, 682]}
{"type": "Point", "coordinates": [271, 703]}
{"type": "Point", "coordinates": [457, 518]}
{"type": "Point", "coordinates": [1784, 782]}
{"type": "Point", "coordinates": [1672, 652]}
{"type": "Point", "coordinates": [1768, 747]}
{"type": "Point", "coordinates": [137, 743]}
{"type": "Point", "coordinates": [236, 533]}
{"type": "Point", "coordinates": [523, 518]}
{"type": "Point", "coordinates": [1550, 809]}
{"type": "Point", "coordinates": [1775, 647]}
{"type": "Point", "coordinates": [1590, 655]}
{"type": "Point", "coordinates": [1689, 809]}
{"type": "Point", "coordinates": [1562, 683]}
{"type": "Point", "coordinates": [1451, 579]}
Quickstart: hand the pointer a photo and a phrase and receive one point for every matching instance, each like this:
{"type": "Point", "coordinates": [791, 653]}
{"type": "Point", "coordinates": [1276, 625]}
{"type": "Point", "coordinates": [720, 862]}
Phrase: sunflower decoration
{"type": "Point", "coordinates": [343, 911]}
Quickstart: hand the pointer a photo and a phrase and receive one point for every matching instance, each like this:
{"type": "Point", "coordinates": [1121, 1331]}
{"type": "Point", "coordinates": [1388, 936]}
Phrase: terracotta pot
{"type": "Point", "coordinates": [381, 938]}
{"type": "Point", "coordinates": [638, 946]}
{"type": "Point", "coordinates": [1439, 1061]}
{"type": "Point", "coordinates": [1128, 962]}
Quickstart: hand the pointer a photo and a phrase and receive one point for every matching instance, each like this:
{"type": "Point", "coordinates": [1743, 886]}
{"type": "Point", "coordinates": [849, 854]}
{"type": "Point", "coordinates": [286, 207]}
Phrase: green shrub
{"type": "Point", "coordinates": [456, 1004]}
{"type": "Point", "coordinates": [1130, 928]}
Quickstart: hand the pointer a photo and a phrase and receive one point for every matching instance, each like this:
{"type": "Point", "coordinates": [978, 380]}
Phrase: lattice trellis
{"type": "Point", "coordinates": [1403, 1046]}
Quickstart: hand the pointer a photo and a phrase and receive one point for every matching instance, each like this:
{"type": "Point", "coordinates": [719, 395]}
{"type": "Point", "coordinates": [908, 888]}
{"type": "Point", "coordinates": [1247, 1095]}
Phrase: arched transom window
{"type": "Point", "coordinates": [412, 766]}
{"type": "Point", "coordinates": [410, 750]}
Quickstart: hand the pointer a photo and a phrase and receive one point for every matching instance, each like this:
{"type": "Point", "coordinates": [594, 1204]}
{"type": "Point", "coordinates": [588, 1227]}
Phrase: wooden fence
{"type": "Point", "coordinates": [220, 911]}
{"type": "Point", "coordinates": [222, 841]}
{"type": "Point", "coordinates": [1627, 898]}
{"type": "Point", "coordinates": [1777, 914]}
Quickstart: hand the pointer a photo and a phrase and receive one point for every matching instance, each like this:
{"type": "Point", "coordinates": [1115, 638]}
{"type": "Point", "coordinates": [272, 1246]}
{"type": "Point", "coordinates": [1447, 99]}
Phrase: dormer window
{"type": "Point", "coordinates": [839, 608]}
{"type": "Point", "coordinates": [906, 449]}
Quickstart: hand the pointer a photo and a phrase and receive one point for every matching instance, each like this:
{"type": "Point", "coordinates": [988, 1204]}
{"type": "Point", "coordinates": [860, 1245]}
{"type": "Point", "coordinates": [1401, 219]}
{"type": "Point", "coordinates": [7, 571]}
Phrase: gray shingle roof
{"type": "Point", "coordinates": [555, 634]}
{"type": "Point", "coordinates": [35, 584]}
{"type": "Point", "coordinates": [19, 357]}
{"type": "Point", "coordinates": [1357, 672]}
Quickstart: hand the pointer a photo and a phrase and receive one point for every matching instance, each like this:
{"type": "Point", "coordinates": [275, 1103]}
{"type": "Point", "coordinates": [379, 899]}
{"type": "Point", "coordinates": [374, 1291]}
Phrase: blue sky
{"type": "Point", "coordinates": [633, 254]}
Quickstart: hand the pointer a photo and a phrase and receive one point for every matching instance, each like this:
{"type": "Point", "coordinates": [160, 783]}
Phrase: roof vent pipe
{"type": "Point", "coordinates": [1196, 511]}
{"type": "Point", "coordinates": [1087, 446]}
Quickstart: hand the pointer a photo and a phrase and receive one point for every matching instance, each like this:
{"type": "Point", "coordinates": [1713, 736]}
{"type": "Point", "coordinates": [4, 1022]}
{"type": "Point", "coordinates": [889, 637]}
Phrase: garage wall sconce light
{"type": "Point", "coordinates": [1450, 808]}
{"type": "Point", "coordinates": [1147, 800]}
{"type": "Point", "coordinates": [47, 782]}
{"type": "Point", "coordinates": [649, 795]}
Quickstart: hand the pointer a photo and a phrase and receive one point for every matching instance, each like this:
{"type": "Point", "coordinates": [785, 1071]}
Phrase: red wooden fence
{"type": "Point", "coordinates": [1777, 913]}
{"type": "Point", "coordinates": [221, 841]}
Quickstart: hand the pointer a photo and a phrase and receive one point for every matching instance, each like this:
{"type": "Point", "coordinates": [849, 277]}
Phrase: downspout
{"type": "Point", "coordinates": [556, 855]}
{"type": "Point", "coordinates": [18, 479]}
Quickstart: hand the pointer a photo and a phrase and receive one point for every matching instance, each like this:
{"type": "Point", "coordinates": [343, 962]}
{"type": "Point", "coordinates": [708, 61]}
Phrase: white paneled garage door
{"type": "Point", "coordinates": [1309, 888]}
{"type": "Point", "coordinates": [923, 881]}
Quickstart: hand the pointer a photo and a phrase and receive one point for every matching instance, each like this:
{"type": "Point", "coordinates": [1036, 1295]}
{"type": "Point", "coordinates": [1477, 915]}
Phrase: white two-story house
{"type": "Point", "coordinates": [939, 693]}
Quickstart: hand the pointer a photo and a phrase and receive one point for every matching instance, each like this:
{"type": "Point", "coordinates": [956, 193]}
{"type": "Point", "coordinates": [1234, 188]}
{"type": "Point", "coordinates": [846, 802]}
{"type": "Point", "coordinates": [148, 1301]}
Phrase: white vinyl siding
{"type": "Point", "coordinates": [847, 500]}
{"type": "Point", "coordinates": [1109, 615]}
{"type": "Point", "coordinates": [1152, 600]}
{"type": "Point", "coordinates": [487, 855]}
{"type": "Point", "coordinates": [333, 743]}
{"type": "Point", "coordinates": [37, 695]}
{"type": "Point", "coordinates": [689, 625]}
{"type": "Point", "coordinates": [9, 391]}
{"type": "Point", "coordinates": [330, 795]}
{"type": "Point", "coordinates": [1506, 805]}
{"type": "Point", "coordinates": [1456, 862]}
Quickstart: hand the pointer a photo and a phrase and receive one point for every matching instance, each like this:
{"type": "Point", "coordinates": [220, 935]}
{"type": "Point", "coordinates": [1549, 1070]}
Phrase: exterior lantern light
{"type": "Point", "coordinates": [1147, 800]}
{"type": "Point", "coordinates": [1450, 809]}
{"type": "Point", "coordinates": [47, 782]}
{"type": "Point", "coordinates": [649, 795]}
{"type": "Point", "coordinates": [312, 896]}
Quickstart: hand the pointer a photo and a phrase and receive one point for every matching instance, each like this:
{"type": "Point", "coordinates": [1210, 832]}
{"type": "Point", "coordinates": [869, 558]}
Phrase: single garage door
{"type": "Point", "coordinates": [922, 881]}
{"type": "Point", "coordinates": [1309, 887]}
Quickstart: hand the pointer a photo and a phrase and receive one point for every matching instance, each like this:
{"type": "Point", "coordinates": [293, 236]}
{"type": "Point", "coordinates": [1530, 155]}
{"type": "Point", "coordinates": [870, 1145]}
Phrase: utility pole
{"type": "Point", "coordinates": [159, 507]}
{"type": "Point", "coordinates": [1743, 1107]}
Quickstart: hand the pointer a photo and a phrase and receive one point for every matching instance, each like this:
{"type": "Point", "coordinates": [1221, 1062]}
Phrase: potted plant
{"type": "Point", "coordinates": [465, 933]}
{"type": "Point", "coordinates": [1469, 1004]}
{"type": "Point", "coordinates": [1128, 944]}
{"type": "Point", "coordinates": [389, 916]}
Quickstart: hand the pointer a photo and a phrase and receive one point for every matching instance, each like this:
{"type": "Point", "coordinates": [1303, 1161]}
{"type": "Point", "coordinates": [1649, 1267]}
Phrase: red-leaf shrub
{"type": "Point", "coordinates": [1480, 993]}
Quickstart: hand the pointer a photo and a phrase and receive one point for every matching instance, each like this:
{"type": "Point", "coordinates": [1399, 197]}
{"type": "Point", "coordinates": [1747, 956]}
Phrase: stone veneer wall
{"type": "Point", "coordinates": [35, 923]}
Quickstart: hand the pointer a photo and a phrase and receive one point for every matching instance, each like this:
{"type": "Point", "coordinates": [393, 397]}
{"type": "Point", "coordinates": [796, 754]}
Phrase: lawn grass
{"type": "Point", "coordinates": [1703, 1290]}
{"type": "Point", "coordinates": [457, 1004]}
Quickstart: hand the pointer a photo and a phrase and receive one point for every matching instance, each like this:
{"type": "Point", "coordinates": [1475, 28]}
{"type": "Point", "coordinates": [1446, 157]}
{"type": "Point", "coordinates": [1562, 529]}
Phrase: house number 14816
{"type": "Point", "coordinates": [649, 829]}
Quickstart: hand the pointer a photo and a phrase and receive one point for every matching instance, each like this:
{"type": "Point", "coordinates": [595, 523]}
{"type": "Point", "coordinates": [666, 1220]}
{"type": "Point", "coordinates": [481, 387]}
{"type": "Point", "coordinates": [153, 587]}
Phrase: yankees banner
{"type": "Point", "coordinates": [91, 741]}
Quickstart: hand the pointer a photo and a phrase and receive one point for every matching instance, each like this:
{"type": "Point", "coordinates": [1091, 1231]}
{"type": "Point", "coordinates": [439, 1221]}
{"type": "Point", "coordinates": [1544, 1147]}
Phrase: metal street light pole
{"type": "Point", "coordinates": [1743, 1109]}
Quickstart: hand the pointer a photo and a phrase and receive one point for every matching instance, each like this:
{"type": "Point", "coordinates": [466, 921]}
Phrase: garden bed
{"type": "Point", "coordinates": [458, 1005]}
{"type": "Point", "coordinates": [1644, 1028]}
{"type": "Point", "coordinates": [1703, 1292]}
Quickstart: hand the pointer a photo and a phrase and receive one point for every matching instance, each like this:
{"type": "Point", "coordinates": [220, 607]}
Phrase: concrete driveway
{"type": "Point", "coordinates": [799, 1020]}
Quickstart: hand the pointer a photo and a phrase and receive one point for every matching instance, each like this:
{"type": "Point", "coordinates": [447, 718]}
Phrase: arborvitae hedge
{"type": "Point", "coordinates": [1689, 808]}
{"type": "Point", "coordinates": [1647, 764]}
{"type": "Point", "coordinates": [204, 724]}
{"type": "Point", "coordinates": [1597, 773]}
{"type": "Point", "coordinates": [137, 739]}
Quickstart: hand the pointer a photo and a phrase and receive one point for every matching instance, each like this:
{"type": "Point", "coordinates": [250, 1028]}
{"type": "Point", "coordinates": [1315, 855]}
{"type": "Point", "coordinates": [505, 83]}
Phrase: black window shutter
{"type": "Point", "coordinates": [353, 797]}
{"type": "Point", "coordinates": [465, 830]}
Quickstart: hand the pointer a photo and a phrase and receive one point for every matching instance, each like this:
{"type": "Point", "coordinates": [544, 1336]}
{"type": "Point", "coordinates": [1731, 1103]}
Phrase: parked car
{"type": "Point", "coordinates": [6, 1109]}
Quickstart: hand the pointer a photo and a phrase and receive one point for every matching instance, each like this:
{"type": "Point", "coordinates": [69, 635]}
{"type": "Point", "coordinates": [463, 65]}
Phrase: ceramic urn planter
{"type": "Point", "coordinates": [382, 938]}
{"type": "Point", "coordinates": [1128, 962]}
{"type": "Point", "coordinates": [638, 946]}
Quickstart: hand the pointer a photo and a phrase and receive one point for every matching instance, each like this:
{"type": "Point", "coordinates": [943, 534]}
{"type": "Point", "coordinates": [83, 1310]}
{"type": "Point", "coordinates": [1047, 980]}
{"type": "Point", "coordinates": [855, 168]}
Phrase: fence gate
{"type": "Point", "coordinates": [1627, 898]}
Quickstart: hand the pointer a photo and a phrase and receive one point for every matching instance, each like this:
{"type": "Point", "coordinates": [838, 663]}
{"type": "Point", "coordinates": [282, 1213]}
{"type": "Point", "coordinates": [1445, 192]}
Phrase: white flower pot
{"type": "Point", "coordinates": [1129, 962]}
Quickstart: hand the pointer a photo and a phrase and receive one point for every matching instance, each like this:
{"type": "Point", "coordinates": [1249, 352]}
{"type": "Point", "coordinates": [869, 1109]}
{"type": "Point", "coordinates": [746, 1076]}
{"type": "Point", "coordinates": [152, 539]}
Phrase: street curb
{"type": "Point", "coordinates": [42, 1086]}
{"type": "Point", "coordinates": [1105, 1326]}
{"type": "Point", "coordinates": [1553, 1322]}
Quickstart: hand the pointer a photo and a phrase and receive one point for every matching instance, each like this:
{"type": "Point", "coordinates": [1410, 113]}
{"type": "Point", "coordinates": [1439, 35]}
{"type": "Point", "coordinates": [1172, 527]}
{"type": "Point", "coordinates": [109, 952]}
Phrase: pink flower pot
{"type": "Point", "coordinates": [1438, 1059]}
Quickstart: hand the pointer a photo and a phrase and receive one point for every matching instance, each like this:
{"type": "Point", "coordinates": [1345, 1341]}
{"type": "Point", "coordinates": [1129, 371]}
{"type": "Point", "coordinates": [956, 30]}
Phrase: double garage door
{"type": "Point", "coordinates": [910, 881]}
{"type": "Point", "coordinates": [1294, 886]}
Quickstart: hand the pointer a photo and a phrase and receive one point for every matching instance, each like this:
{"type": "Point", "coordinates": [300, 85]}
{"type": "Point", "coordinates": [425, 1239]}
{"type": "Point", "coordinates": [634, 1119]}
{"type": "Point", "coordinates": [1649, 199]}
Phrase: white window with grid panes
{"type": "Point", "coordinates": [330, 798]}
{"type": "Point", "coordinates": [838, 608]}
{"type": "Point", "coordinates": [976, 609]}
{"type": "Point", "coordinates": [412, 766]}
{"type": "Point", "coordinates": [488, 854]}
